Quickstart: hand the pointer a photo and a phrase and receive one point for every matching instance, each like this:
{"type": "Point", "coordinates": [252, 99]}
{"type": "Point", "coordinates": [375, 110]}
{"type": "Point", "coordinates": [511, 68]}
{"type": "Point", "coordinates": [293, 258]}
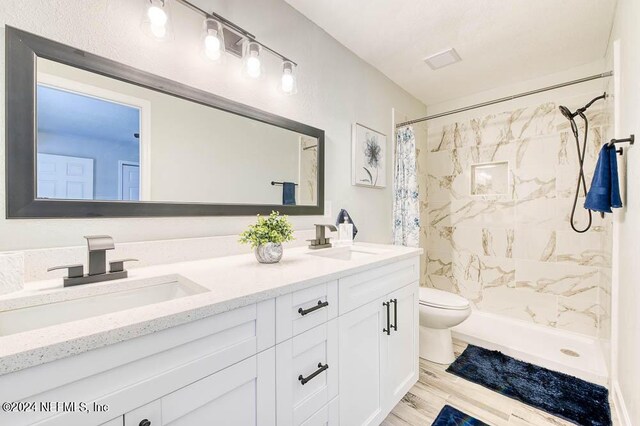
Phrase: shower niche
{"type": "Point", "coordinates": [490, 178]}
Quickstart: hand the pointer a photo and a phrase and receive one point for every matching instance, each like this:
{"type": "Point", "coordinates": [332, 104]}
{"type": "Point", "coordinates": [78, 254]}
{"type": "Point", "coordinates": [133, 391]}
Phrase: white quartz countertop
{"type": "Point", "coordinates": [233, 281]}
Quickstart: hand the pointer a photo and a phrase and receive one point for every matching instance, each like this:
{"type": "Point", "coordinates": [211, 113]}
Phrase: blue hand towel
{"type": "Point", "coordinates": [340, 220]}
{"type": "Point", "coordinates": [288, 194]}
{"type": "Point", "coordinates": [605, 191]}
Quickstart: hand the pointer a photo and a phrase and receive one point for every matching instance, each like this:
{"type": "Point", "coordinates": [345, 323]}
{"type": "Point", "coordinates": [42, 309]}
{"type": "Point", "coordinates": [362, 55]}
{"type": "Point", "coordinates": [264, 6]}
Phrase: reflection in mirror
{"type": "Point", "coordinates": [88, 147]}
{"type": "Point", "coordinates": [99, 138]}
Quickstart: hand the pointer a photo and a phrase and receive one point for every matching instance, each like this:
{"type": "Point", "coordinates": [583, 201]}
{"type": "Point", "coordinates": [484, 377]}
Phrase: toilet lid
{"type": "Point", "coordinates": [442, 299]}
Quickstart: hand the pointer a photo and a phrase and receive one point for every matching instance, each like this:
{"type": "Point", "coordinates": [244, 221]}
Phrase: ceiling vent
{"type": "Point", "coordinates": [442, 59]}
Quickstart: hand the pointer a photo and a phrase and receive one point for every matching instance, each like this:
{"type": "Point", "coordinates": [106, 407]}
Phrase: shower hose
{"type": "Point", "coordinates": [582, 182]}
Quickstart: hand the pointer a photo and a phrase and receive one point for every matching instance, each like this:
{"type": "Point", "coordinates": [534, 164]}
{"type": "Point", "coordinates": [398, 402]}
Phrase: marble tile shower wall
{"type": "Point", "coordinates": [516, 254]}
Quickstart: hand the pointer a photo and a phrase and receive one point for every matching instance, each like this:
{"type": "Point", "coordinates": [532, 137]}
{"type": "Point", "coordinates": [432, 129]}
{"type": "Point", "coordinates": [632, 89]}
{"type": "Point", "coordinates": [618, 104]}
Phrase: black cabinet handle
{"type": "Point", "coordinates": [395, 314]}
{"type": "Point", "coordinates": [320, 304]}
{"type": "Point", "coordinates": [145, 422]}
{"type": "Point", "coordinates": [388, 329]}
{"type": "Point", "coordinates": [320, 369]}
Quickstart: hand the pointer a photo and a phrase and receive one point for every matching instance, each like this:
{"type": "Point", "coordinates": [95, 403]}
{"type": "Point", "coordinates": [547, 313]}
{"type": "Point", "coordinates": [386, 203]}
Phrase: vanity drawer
{"type": "Point", "coordinates": [359, 289]}
{"type": "Point", "coordinates": [302, 310]}
{"type": "Point", "coordinates": [151, 412]}
{"type": "Point", "coordinates": [310, 358]}
{"type": "Point", "coordinates": [329, 415]}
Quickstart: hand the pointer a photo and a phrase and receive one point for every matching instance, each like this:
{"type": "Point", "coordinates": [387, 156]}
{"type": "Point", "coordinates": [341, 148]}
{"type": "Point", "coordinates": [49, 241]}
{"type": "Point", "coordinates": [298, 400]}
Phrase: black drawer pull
{"type": "Point", "coordinates": [388, 329]}
{"type": "Point", "coordinates": [320, 369]}
{"type": "Point", "coordinates": [395, 314]}
{"type": "Point", "coordinates": [320, 304]}
{"type": "Point", "coordinates": [145, 422]}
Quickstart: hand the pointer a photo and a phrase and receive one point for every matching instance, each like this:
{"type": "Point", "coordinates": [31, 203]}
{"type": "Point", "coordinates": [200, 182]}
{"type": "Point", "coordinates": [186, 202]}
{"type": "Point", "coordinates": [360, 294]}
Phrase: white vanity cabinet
{"type": "Point", "coordinates": [175, 364]}
{"type": "Point", "coordinates": [307, 373]}
{"type": "Point", "coordinates": [378, 343]}
{"type": "Point", "coordinates": [402, 368]}
{"type": "Point", "coordinates": [241, 394]}
{"type": "Point", "coordinates": [339, 352]}
{"type": "Point", "coordinates": [118, 421]}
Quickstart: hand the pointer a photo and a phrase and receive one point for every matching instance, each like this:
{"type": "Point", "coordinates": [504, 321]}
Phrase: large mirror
{"type": "Point", "coordinates": [100, 139]}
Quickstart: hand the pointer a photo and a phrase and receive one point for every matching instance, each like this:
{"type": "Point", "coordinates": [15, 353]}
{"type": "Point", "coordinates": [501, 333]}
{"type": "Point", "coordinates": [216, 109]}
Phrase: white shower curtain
{"type": "Point", "coordinates": [406, 208]}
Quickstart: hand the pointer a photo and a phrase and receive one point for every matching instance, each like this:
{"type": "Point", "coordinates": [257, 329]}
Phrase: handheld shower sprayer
{"type": "Point", "coordinates": [566, 112]}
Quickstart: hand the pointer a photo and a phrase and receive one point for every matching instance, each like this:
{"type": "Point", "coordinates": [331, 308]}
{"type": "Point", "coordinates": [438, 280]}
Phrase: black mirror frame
{"type": "Point", "coordinates": [22, 51]}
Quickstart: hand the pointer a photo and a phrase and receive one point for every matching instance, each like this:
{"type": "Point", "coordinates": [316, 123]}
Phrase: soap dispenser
{"type": "Point", "coordinates": [345, 232]}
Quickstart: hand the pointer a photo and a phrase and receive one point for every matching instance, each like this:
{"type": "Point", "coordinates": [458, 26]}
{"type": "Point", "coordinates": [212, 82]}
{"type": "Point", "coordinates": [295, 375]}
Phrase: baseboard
{"type": "Point", "coordinates": [618, 403]}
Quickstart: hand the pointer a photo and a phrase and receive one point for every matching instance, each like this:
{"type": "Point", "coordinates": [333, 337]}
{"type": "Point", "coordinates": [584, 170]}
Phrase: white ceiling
{"type": "Point", "coordinates": [500, 41]}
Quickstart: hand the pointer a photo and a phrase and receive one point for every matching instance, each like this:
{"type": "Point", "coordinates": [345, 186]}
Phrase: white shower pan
{"type": "Point", "coordinates": [570, 353]}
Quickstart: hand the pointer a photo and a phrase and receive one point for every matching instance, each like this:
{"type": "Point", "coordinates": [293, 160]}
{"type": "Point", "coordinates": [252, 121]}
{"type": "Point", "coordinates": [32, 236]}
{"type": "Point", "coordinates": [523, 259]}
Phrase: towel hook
{"type": "Point", "coordinates": [630, 140]}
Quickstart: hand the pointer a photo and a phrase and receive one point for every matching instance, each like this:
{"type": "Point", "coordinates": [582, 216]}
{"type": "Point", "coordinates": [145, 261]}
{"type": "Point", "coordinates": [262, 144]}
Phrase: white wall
{"type": "Point", "coordinates": [626, 289]}
{"type": "Point", "coordinates": [335, 89]}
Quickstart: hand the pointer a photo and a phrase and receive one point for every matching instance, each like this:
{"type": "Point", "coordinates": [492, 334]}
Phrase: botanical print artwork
{"type": "Point", "coordinates": [368, 157]}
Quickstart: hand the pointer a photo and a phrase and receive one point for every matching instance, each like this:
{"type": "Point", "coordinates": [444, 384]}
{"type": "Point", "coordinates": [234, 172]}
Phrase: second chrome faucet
{"type": "Point", "coordinates": [321, 240]}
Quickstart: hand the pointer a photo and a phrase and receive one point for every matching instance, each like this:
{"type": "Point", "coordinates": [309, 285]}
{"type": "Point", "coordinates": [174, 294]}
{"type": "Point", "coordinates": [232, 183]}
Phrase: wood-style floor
{"type": "Point", "coordinates": [436, 388]}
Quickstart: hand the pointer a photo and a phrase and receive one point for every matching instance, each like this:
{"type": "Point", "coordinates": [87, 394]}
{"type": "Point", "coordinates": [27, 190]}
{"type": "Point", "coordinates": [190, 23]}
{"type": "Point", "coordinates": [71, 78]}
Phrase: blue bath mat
{"type": "Point", "coordinates": [449, 416]}
{"type": "Point", "coordinates": [565, 396]}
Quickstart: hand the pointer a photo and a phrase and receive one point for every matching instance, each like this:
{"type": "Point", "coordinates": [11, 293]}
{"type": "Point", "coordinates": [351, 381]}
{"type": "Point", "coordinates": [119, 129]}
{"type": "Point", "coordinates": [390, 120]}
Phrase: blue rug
{"type": "Point", "coordinates": [565, 396]}
{"type": "Point", "coordinates": [449, 416]}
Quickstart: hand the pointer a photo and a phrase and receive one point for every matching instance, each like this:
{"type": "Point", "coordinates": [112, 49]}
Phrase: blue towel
{"type": "Point", "coordinates": [288, 194]}
{"type": "Point", "coordinates": [340, 220]}
{"type": "Point", "coordinates": [605, 191]}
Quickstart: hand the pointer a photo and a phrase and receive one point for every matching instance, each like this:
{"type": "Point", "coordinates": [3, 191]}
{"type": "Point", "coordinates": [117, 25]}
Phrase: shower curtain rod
{"type": "Point", "coordinates": [507, 98]}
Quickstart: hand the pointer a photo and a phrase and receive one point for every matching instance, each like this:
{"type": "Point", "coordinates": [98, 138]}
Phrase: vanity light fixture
{"type": "Point", "coordinates": [155, 21]}
{"type": "Point", "coordinates": [288, 83]}
{"type": "Point", "coordinates": [220, 36]}
{"type": "Point", "coordinates": [213, 39]}
{"type": "Point", "coordinates": [252, 62]}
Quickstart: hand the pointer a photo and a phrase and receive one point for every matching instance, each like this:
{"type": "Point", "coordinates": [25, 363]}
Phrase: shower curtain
{"type": "Point", "coordinates": [406, 208]}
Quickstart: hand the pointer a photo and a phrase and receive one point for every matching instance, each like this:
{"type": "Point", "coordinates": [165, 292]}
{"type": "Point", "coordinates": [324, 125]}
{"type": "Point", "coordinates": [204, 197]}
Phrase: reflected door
{"type": "Point", "coordinates": [65, 177]}
{"type": "Point", "coordinates": [130, 182]}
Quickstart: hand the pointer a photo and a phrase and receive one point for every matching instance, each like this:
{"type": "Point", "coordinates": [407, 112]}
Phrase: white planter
{"type": "Point", "coordinates": [269, 253]}
{"type": "Point", "coordinates": [11, 272]}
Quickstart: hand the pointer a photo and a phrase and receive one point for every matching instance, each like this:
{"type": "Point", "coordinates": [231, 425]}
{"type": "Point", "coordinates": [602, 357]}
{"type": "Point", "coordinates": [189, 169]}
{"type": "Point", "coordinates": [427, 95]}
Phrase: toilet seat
{"type": "Point", "coordinates": [442, 299]}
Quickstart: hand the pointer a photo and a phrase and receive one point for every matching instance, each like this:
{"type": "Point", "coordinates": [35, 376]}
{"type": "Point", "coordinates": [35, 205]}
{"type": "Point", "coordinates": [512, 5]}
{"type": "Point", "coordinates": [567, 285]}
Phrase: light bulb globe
{"type": "Point", "coordinates": [212, 47]}
{"type": "Point", "coordinates": [253, 67]}
{"type": "Point", "coordinates": [157, 16]}
{"type": "Point", "coordinates": [159, 31]}
{"type": "Point", "coordinates": [287, 83]}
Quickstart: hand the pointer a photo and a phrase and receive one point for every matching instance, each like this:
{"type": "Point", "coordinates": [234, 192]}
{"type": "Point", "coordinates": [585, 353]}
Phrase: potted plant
{"type": "Point", "coordinates": [267, 235]}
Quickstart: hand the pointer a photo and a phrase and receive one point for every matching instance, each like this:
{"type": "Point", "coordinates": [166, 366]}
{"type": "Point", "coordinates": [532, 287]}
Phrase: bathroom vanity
{"type": "Point", "coordinates": [324, 337]}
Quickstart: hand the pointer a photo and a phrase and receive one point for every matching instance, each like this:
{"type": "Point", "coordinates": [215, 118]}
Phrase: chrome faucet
{"type": "Point", "coordinates": [321, 241]}
{"type": "Point", "coordinates": [97, 246]}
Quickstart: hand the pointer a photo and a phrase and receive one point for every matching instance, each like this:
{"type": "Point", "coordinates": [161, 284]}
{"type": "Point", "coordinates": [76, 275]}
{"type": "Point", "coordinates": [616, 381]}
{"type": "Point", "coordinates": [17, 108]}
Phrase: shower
{"type": "Point", "coordinates": [581, 154]}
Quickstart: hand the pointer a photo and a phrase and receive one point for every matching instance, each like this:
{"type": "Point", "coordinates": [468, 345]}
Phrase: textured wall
{"type": "Point", "coordinates": [627, 233]}
{"type": "Point", "coordinates": [335, 89]}
{"type": "Point", "coordinates": [516, 254]}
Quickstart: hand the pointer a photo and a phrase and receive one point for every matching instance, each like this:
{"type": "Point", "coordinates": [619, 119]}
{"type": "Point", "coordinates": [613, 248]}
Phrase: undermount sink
{"type": "Point", "coordinates": [87, 306]}
{"type": "Point", "coordinates": [347, 253]}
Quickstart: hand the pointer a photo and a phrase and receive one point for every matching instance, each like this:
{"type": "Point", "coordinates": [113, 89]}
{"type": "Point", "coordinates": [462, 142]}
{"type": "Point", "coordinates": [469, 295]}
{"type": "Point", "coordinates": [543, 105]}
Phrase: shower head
{"type": "Point", "coordinates": [580, 111]}
{"type": "Point", "coordinates": [566, 112]}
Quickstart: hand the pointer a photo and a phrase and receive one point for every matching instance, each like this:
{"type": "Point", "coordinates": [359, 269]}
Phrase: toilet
{"type": "Point", "coordinates": [439, 311]}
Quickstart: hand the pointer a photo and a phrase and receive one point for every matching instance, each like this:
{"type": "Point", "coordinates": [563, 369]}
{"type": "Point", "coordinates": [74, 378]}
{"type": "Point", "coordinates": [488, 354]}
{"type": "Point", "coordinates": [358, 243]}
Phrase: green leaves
{"type": "Point", "coordinates": [273, 229]}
